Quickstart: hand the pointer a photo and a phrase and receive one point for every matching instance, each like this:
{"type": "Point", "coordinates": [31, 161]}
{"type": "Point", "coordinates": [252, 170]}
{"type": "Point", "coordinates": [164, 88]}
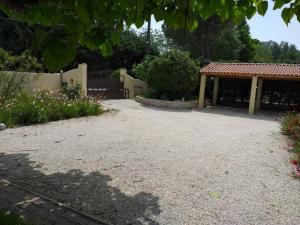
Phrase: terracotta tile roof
{"type": "Point", "coordinates": [264, 70]}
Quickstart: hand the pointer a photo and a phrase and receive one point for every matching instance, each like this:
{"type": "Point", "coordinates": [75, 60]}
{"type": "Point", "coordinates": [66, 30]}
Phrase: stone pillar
{"type": "Point", "coordinates": [253, 95]}
{"type": "Point", "coordinates": [216, 89]}
{"type": "Point", "coordinates": [82, 68]}
{"type": "Point", "coordinates": [259, 94]}
{"type": "Point", "coordinates": [202, 91]}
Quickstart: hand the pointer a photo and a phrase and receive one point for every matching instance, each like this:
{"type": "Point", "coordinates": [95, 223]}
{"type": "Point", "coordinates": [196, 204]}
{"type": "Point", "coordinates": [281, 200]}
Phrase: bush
{"type": "Point", "coordinates": [10, 85]}
{"type": "Point", "coordinates": [173, 75]}
{"type": "Point", "coordinates": [71, 92]}
{"type": "Point", "coordinates": [42, 107]}
{"type": "Point", "coordinates": [290, 125]}
{"type": "Point", "coordinates": [140, 71]}
{"type": "Point", "coordinates": [21, 63]}
{"type": "Point", "coordinates": [116, 74]}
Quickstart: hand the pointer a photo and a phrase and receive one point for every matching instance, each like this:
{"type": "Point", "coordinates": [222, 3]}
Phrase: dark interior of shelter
{"type": "Point", "coordinates": [277, 95]}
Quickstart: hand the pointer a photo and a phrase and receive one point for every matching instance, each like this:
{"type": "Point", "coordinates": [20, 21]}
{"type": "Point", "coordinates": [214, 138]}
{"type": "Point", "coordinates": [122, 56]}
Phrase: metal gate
{"type": "Point", "coordinates": [106, 88]}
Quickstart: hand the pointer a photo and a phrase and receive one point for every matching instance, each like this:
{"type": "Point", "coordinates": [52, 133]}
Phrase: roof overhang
{"type": "Point", "coordinates": [248, 70]}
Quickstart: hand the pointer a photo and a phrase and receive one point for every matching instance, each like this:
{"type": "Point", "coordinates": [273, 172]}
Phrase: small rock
{"type": "Point", "coordinates": [2, 126]}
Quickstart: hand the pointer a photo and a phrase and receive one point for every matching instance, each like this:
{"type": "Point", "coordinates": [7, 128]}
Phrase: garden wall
{"type": "Point", "coordinates": [134, 86]}
{"type": "Point", "coordinates": [52, 81]}
{"type": "Point", "coordinates": [167, 104]}
{"type": "Point", "coordinates": [77, 76]}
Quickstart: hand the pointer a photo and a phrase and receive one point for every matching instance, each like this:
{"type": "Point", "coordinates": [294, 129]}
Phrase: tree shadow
{"type": "Point", "coordinates": [89, 193]}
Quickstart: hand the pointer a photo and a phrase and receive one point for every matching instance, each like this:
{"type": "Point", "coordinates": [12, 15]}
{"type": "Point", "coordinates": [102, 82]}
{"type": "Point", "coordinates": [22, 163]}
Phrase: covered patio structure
{"type": "Point", "coordinates": [257, 72]}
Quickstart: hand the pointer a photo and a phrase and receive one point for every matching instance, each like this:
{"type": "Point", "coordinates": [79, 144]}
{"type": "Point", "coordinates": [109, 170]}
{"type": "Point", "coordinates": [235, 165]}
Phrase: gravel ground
{"type": "Point", "coordinates": [139, 165]}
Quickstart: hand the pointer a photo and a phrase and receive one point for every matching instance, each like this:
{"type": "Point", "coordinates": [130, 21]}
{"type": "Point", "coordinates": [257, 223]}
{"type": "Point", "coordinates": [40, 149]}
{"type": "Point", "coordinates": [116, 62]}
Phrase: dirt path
{"type": "Point", "coordinates": [141, 165]}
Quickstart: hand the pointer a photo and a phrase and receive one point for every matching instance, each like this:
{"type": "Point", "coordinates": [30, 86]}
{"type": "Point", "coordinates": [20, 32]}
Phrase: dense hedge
{"type": "Point", "coordinates": [172, 75]}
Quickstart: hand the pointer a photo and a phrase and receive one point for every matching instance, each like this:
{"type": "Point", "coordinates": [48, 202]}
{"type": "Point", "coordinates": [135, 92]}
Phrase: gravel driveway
{"type": "Point", "coordinates": [139, 165]}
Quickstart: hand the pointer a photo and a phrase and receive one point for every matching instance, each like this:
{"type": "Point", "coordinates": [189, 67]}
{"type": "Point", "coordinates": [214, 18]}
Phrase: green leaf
{"type": "Point", "coordinates": [262, 7]}
{"type": "Point", "coordinates": [60, 54]}
{"type": "Point", "coordinates": [192, 25]}
{"type": "Point", "coordinates": [82, 11]}
{"type": "Point", "coordinates": [287, 14]}
{"type": "Point", "coordinates": [116, 38]}
{"type": "Point", "coordinates": [106, 49]}
{"type": "Point", "coordinates": [279, 3]}
{"type": "Point", "coordinates": [140, 5]}
{"type": "Point", "coordinates": [139, 22]}
{"type": "Point", "coordinates": [251, 10]}
{"type": "Point", "coordinates": [237, 15]}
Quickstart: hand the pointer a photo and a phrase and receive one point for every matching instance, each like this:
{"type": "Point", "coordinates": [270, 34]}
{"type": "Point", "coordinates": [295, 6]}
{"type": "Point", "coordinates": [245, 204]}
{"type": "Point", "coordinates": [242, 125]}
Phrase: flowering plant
{"type": "Point", "coordinates": [43, 106]}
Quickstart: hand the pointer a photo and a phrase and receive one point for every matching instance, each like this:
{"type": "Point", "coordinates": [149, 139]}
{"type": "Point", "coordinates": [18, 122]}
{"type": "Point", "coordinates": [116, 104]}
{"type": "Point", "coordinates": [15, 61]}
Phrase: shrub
{"type": "Point", "coordinates": [41, 107]}
{"type": "Point", "coordinates": [10, 85]}
{"type": "Point", "coordinates": [115, 74]}
{"type": "Point", "coordinates": [71, 92]}
{"type": "Point", "coordinates": [22, 63]}
{"type": "Point", "coordinates": [290, 125]}
{"type": "Point", "coordinates": [173, 75]}
{"type": "Point", "coordinates": [140, 71]}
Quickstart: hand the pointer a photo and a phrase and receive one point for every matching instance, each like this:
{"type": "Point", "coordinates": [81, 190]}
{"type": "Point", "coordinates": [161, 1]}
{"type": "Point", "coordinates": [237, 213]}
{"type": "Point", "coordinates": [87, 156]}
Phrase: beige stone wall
{"type": "Point", "coordinates": [135, 86]}
{"type": "Point", "coordinates": [32, 81]}
{"type": "Point", "coordinates": [167, 104]}
{"type": "Point", "coordinates": [77, 76]}
{"type": "Point", "coordinates": [52, 81]}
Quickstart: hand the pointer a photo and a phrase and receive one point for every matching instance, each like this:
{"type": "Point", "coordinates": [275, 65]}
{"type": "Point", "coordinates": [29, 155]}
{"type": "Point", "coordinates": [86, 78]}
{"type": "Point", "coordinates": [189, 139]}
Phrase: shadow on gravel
{"type": "Point", "coordinates": [224, 111]}
{"type": "Point", "coordinates": [242, 113]}
{"type": "Point", "coordinates": [88, 193]}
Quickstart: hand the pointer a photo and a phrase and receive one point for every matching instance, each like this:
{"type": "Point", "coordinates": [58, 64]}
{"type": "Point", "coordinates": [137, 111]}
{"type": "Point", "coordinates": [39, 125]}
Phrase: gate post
{"type": "Point", "coordinates": [83, 73]}
{"type": "Point", "coordinates": [253, 95]}
{"type": "Point", "coordinates": [259, 94]}
{"type": "Point", "coordinates": [202, 91]}
{"type": "Point", "coordinates": [216, 89]}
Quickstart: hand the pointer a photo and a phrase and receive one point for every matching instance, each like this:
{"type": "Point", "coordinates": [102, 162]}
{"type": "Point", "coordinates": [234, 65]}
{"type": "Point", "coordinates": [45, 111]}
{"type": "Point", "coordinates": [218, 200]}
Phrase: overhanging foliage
{"type": "Point", "coordinates": [98, 24]}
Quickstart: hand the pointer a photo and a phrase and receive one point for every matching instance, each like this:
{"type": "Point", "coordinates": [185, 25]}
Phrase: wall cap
{"type": "Point", "coordinates": [167, 104]}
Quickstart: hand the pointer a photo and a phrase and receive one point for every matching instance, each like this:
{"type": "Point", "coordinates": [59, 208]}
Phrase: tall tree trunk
{"type": "Point", "coordinates": [148, 36]}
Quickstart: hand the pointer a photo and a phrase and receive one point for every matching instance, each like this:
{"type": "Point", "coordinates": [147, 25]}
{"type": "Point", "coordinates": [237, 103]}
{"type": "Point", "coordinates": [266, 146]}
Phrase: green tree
{"type": "Point", "coordinates": [15, 36]}
{"type": "Point", "coordinates": [271, 51]}
{"type": "Point", "coordinates": [65, 24]}
{"type": "Point", "coordinates": [213, 39]}
{"type": "Point", "coordinates": [248, 50]}
{"type": "Point", "coordinates": [132, 50]}
{"type": "Point", "coordinates": [263, 53]}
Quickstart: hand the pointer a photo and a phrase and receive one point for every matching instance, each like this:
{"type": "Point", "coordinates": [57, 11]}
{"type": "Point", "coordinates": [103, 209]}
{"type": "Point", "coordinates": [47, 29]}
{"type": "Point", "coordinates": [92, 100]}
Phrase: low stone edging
{"type": "Point", "coordinates": [167, 104]}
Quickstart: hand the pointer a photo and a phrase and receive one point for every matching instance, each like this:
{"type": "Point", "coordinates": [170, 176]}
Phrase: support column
{"type": "Point", "coordinates": [259, 94]}
{"type": "Point", "coordinates": [202, 91]}
{"type": "Point", "coordinates": [216, 89]}
{"type": "Point", "coordinates": [253, 95]}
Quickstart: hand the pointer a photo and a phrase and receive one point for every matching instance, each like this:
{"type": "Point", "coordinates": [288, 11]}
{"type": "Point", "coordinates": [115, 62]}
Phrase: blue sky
{"type": "Point", "coordinates": [269, 27]}
{"type": "Point", "coordinates": [272, 27]}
